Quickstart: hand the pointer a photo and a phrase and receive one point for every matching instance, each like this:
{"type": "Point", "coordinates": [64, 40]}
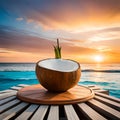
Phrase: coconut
{"type": "Point", "coordinates": [58, 75]}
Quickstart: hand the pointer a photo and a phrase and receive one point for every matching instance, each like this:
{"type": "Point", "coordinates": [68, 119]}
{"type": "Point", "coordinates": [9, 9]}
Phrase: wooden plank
{"type": "Point", "coordinates": [53, 113]}
{"type": "Point", "coordinates": [104, 109]}
{"type": "Point", "coordinates": [70, 112]}
{"type": "Point", "coordinates": [102, 91]}
{"type": "Point", "coordinates": [108, 97]}
{"type": "Point", "coordinates": [28, 112]}
{"type": "Point", "coordinates": [6, 91]}
{"type": "Point", "coordinates": [90, 86]}
{"type": "Point", "coordinates": [16, 88]}
{"type": "Point", "coordinates": [7, 100]}
{"type": "Point", "coordinates": [23, 85]}
{"type": "Point", "coordinates": [13, 111]}
{"type": "Point", "coordinates": [8, 105]}
{"type": "Point", "coordinates": [113, 104]}
{"type": "Point", "coordinates": [5, 95]}
{"type": "Point", "coordinates": [95, 88]}
{"type": "Point", "coordinates": [40, 113]}
{"type": "Point", "coordinates": [89, 112]}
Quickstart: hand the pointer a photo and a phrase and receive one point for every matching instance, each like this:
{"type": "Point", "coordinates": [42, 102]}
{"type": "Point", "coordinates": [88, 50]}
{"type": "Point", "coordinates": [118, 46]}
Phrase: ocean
{"type": "Point", "coordinates": [106, 76]}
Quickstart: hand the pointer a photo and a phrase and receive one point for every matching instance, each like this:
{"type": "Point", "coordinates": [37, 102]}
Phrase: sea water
{"type": "Point", "coordinates": [106, 76]}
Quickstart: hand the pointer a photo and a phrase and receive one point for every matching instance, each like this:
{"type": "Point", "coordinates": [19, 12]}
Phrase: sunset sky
{"type": "Point", "coordinates": [89, 30]}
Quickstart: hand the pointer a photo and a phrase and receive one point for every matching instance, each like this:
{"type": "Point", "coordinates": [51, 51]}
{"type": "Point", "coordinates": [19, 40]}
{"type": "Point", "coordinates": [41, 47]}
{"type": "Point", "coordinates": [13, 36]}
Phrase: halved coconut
{"type": "Point", "coordinates": [58, 75]}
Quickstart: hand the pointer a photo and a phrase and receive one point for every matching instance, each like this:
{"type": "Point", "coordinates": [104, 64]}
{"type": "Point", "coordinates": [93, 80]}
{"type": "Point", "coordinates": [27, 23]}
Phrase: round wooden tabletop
{"type": "Point", "coordinates": [38, 94]}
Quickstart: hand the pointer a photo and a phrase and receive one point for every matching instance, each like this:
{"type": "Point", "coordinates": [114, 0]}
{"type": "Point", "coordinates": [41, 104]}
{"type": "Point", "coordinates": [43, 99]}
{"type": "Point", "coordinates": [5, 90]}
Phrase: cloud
{"type": "Point", "coordinates": [111, 45]}
{"type": "Point", "coordinates": [83, 26]}
{"type": "Point", "coordinates": [19, 40]}
{"type": "Point", "coordinates": [3, 52]}
{"type": "Point", "coordinates": [69, 14]}
{"type": "Point", "coordinates": [96, 35]}
{"type": "Point", "coordinates": [105, 34]}
{"type": "Point", "coordinates": [19, 19]}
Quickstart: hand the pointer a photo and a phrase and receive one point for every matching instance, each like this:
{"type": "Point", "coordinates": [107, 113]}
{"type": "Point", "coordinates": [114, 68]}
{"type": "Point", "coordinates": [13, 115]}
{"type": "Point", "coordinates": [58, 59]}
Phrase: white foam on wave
{"type": "Point", "coordinates": [17, 67]}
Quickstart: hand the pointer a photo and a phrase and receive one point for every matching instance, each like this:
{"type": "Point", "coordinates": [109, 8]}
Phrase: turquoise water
{"type": "Point", "coordinates": [105, 76]}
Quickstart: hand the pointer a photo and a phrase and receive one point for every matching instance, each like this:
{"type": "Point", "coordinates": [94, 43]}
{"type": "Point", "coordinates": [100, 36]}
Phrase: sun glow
{"type": "Point", "coordinates": [98, 58]}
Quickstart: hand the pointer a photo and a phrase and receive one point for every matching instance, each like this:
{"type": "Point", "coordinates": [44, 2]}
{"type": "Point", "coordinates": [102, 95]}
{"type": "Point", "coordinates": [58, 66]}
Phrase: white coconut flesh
{"type": "Point", "coordinates": [59, 65]}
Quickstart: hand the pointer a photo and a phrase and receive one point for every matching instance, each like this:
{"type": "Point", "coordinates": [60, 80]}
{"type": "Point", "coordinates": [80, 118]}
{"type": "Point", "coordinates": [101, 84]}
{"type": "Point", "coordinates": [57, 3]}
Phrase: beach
{"type": "Point", "coordinates": [106, 76]}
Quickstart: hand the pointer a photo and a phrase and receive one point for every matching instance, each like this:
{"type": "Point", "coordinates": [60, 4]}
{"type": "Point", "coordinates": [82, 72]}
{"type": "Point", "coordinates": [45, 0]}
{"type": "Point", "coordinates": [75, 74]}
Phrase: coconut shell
{"type": "Point", "coordinates": [57, 81]}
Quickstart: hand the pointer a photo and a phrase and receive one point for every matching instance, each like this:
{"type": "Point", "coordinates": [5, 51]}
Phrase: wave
{"type": "Point", "coordinates": [30, 67]}
{"type": "Point", "coordinates": [85, 70]}
{"type": "Point", "coordinates": [96, 83]}
{"type": "Point", "coordinates": [17, 70]}
{"type": "Point", "coordinates": [107, 71]}
{"type": "Point", "coordinates": [33, 70]}
{"type": "Point", "coordinates": [16, 79]}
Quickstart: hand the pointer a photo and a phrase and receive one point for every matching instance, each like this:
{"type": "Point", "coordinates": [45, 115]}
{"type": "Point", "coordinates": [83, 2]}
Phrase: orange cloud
{"type": "Point", "coordinates": [69, 15]}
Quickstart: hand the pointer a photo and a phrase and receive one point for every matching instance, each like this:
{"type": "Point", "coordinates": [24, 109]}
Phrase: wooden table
{"type": "Point", "coordinates": [101, 107]}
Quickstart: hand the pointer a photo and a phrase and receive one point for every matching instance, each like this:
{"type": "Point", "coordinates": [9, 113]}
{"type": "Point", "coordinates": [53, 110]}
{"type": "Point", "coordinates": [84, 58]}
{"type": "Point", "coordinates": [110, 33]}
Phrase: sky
{"type": "Point", "coordinates": [88, 30]}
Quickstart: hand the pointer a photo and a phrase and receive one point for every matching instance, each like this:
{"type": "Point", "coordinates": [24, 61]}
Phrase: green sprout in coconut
{"type": "Point", "coordinates": [57, 50]}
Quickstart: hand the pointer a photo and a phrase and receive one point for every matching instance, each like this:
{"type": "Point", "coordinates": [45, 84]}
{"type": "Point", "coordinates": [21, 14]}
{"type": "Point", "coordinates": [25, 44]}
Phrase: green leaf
{"type": "Point", "coordinates": [57, 50]}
